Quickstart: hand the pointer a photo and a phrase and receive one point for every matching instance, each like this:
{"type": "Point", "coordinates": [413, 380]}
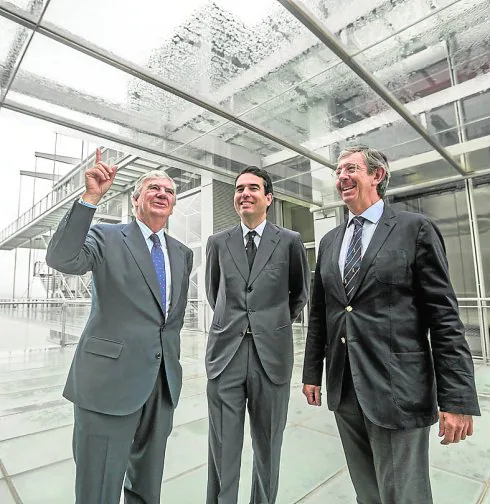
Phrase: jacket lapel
{"type": "Point", "coordinates": [136, 244]}
{"type": "Point", "coordinates": [336, 247]}
{"type": "Point", "coordinates": [385, 226]}
{"type": "Point", "coordinates": [268, 242]}
{"type": "Point", "coordinates": [236, 246]}
{"type": "Point", "coordinates": [177, 266]}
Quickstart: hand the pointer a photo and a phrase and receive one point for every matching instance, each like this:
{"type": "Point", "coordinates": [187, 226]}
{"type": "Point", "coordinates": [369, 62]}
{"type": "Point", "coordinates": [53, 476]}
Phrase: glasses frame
{"type": "Point", "coordinates": [349, 169]}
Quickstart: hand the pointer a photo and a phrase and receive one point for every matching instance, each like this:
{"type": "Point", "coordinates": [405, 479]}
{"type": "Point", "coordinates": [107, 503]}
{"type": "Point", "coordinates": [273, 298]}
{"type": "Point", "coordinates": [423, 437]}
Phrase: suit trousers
{"type": "Point", "coordinates": [106, 447]}
{"type": "Point", "coordinates": [386, 466]}
{"type": "Point", "coordinates": [244, 384]}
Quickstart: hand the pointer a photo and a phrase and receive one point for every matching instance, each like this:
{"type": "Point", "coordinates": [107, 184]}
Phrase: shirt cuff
{"type": "Point", "coordinates": [85, 203]}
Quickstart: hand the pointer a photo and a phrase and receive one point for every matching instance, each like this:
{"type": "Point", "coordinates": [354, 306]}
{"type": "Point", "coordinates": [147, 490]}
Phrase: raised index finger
{"type": "Point", "coordinates": [98, 155]}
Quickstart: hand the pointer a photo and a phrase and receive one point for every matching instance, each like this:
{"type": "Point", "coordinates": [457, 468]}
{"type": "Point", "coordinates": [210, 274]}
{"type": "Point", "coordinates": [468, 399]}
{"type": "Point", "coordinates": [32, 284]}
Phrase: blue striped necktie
{"type": "Point", "coordinates": [159, 263]}
{"type": "Point", "coordinates": [353, 257]}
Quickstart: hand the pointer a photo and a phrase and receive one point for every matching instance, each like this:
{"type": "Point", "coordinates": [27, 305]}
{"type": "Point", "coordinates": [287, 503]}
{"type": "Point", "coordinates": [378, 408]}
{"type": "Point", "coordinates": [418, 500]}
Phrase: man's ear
{"type": "Point", "coordinates": [269, 198]}
{"type": "Point", "coordinates": [379, 175]}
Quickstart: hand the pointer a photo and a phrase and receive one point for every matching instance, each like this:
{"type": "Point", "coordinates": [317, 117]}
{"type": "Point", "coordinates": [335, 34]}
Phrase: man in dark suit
{"type": "Point", "coordinates": [125, 379]}
{"type": "Point", "coordinates": [257, 282]}
{"type": "Point", "coordinates": [381, 288]}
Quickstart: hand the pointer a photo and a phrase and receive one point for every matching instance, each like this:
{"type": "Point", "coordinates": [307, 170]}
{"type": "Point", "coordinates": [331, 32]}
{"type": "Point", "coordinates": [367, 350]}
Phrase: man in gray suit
{"type": "Point", "coordinates": [384, 318]}
{"type": "Point", "coordinates": [125, 379]}
{"type": "Point", "coordinates": [257, 282]}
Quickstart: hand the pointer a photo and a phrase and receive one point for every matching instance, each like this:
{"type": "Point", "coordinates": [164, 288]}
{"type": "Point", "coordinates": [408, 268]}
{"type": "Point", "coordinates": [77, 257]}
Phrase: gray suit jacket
{"type": "Point", "coordinates": [268, 299]}
{"type": "Point", "coordinates": [126, 336]}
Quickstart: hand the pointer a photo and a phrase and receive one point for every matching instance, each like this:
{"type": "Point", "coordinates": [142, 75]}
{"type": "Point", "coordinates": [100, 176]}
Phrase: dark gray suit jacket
{"type": "Point", "coordinates": [126, 336]}
{"type": "Point", "coordinates": [268, 299]}
{"type": "Point", "coordinates": [403, 291]}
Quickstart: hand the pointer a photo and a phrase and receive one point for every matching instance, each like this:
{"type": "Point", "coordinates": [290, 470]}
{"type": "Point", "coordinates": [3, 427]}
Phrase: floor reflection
{"type": "Point", "coordinates": [36, 422]}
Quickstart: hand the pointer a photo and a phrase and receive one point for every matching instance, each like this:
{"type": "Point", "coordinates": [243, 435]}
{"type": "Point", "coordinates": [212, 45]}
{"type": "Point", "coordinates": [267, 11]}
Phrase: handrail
{"type": "Point", "coordinates": [61, 190]}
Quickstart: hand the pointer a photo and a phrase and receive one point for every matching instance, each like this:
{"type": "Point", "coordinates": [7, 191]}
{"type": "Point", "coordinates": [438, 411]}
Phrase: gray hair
{"type": "Point", "coordinates": [158, 174]}
{"type": "Point", "coordinates": [151, 175]}
{"type": "Point", "coordinates": [374, 159]}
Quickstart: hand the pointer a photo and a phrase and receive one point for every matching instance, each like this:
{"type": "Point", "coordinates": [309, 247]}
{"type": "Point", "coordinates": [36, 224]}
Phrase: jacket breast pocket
{"type": "Point", "coordinates": [103, 347]}
{"type": "Point", "coordinates": [275, 265]}
{"type": "Point", "coordinates": [391, 266]}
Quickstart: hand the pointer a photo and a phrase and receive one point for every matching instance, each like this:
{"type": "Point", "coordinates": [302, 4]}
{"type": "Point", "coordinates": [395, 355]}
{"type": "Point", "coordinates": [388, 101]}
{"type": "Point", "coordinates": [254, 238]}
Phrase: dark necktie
{"type": "Point", "coordinates": [353, 257]}
{"type": "Point", "coordinates": [251, 248]}
{"type": "Point", "coordinates": [159, 263]}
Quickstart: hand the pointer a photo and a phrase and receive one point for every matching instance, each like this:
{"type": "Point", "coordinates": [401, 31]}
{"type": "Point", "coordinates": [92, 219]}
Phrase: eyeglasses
{"type": "Point", "coordinates": [348, 169]}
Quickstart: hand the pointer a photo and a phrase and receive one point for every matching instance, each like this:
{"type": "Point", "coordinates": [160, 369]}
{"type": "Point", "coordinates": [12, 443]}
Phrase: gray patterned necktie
{"type": "Point", "coordinates": [353, 258]}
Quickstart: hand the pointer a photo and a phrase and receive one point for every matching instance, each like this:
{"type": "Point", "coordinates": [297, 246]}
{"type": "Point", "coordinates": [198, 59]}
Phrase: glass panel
{"type": "Point", "coordinates": [476, 110]}
{"type": "Point", "coordinates": [419, 173]}
{"type": "Point", "coordinates": [362, 24]}
{"type": "Point", "coordinates": [442, 125]}
{"type": "Point", "coordinates": [13, 40]}
{"type": "Point", "coordinates": [312, 112]}
{"type": "Point", "coordinates": [469, 313]}
{"type": "Point", "coordinates": [300, 219]}
{"type": "Point", "coordinates": [394, 137]}
{"type": "Point", "coordinates": [293, 177]}
{"type": "Point", "coordinates": [214, 48]}
{"type": "Point", "coordinates": [34, 7]}
{"type": "Point", "coordinates": [470, 42]}
{"type": "Point", "coordinates": [450, 212]}
{"type": "Point", "coordinates": [185, 223]}
{"type": "Point", "coordinates": [232, 142]}
{"type": "Point", "coordinates": [482, 207]}
{"type": "Point", "coordinates": [414, 64]}
{"type": "Point", "coordinates": [98, 95]}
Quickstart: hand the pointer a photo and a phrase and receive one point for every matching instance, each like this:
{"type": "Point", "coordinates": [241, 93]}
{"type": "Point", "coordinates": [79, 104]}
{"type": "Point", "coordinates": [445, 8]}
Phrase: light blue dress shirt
{"type": "Point", "coordinates": [86, 203]}
{"type": "Point", "coordinates": [372, 216]}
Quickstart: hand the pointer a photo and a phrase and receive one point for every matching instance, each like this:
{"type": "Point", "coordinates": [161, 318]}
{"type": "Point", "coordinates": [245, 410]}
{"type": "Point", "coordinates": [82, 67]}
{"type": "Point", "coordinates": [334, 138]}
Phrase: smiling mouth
{"type": "Point", "coordinates": [347, 188]}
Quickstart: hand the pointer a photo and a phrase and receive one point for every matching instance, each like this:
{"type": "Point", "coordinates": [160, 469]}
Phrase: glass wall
{"type": "Point", "coordinates": [482, 210]}
{"type": "Point", "coordinates": [448, 207]}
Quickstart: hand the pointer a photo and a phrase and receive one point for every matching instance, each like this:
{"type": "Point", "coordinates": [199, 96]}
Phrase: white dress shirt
{"type": "Point", "coordinates": [147, 232]}
{"type": "Point", "coordinates": [259, 230]}
{"type": "Point", "coordinates": [372, 216]}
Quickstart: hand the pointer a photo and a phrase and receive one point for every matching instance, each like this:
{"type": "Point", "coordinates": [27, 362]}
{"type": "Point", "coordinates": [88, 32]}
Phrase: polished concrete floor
{"type": "Point", "coordinates": [36, 424]}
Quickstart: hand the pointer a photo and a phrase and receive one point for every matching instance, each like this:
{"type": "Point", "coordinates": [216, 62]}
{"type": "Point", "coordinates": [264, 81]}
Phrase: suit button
{"type": "Point", "coordinates": [343, 340]}
{"type": "Point", "coordinates": [158, 356]}
{"type": "Point", "coordinates": [348, 309]}
{"type": "Point", "coordinates": [250, 310]}
{"type": "Point", "coordinates": [250, 289]}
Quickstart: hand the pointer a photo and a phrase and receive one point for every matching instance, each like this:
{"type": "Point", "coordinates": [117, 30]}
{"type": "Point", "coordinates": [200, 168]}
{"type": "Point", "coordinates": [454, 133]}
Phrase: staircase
{"type": "Point", "coordinates": [59, 285]}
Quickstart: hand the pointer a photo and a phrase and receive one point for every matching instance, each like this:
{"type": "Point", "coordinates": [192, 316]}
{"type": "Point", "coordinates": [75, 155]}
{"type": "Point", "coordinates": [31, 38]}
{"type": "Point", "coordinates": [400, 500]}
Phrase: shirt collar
{"type": "Point", "coordinates": [372, 214]}
{"type": "Point", "coordinates": [147, 232]}
{"type": "Point", "coordinates": [259, 229]}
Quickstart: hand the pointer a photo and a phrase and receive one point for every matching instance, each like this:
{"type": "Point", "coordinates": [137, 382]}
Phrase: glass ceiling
{"type": "Point", "coordinates": [216, 85]}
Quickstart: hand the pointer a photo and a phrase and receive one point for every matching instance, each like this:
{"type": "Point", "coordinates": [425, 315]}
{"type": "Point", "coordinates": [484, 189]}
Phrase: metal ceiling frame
{"type": "Point", "coordinates": [64, 37]}
{"type": "Point", "coordinates": [23, 51]}
{"type": "Point", "coordinates": [320, 30]}
{"type": "Point", "coordinates": [180, 162]}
